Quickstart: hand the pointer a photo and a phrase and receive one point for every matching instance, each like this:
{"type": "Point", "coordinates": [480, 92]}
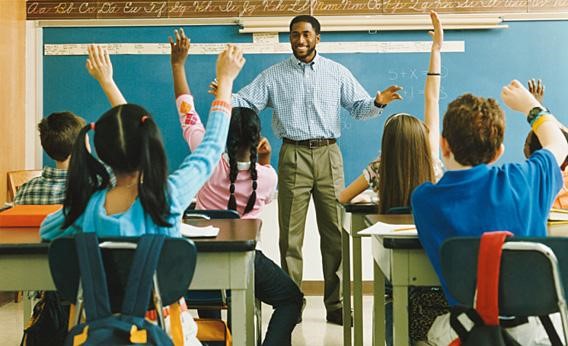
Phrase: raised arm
{"type": "Point", "coordinates": [100, 68]}
{"type": "Point", "coordinates": [432, 86]}
{"type": "Point", "coordinates": [545, 125]}
{"type": "Point", "coordinates": [536, 87]}
{"type": "Point", "coordinates": [178, 56]}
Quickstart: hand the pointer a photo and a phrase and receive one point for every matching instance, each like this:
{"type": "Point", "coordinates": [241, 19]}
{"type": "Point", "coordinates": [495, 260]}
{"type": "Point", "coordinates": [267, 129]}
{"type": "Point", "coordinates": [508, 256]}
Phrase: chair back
{"type": "Point", "coordinates": [176, 266]}
{"type": "Point", "coordinates": [211, 214]}
{"type": "Point", "coordinates": [532, 274]}
{"type": "Point", "coordinates": [19, 178]}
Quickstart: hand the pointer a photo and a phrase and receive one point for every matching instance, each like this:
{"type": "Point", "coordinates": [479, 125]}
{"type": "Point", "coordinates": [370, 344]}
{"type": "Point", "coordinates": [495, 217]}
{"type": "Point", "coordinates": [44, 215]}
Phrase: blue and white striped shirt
{"type": "Point", "coordinates": [307, 98]}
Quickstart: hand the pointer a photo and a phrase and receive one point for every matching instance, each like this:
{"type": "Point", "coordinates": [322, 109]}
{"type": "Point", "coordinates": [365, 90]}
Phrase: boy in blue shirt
{"type": "Point", "coordinates": [472, 197]}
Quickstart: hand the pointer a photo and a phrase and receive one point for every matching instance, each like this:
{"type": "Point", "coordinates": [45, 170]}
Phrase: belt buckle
{"type": "Point", "coordinates": [313, 143]}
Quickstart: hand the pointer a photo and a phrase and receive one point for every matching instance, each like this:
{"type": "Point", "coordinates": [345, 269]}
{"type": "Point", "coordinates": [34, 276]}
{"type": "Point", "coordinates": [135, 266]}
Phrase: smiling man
{"type": "Point", "coordinates": [306, 93]}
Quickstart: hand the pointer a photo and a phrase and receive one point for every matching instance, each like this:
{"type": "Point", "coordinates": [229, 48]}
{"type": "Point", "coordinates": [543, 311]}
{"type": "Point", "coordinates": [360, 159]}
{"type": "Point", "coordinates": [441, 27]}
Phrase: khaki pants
{"type": "Point", "coordinates": [305, 172]}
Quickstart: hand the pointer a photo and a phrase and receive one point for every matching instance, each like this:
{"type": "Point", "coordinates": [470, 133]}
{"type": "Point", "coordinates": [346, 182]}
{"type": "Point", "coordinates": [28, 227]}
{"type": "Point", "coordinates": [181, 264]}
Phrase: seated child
{"type": "Point", "coordinates": [532, 144]}
{"type": "Point", "coordinates": [409, 149]}
{"type": "Point", "coordinates": [240, 183]}
{"type": "Point", "coordinates": [57, 133]}
{"type": "Point", "coordinates": [472, 197]}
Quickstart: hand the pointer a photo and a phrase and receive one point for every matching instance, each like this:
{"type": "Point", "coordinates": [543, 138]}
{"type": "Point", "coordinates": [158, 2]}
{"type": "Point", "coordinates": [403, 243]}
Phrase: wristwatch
{"type": "Point", "coordinates": [380, 105]}
{"type": "Point", "coordinates": [535, 113]}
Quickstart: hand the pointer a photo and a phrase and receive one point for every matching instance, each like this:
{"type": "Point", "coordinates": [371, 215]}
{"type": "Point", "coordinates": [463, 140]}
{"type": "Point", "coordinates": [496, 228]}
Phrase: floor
{"type": "Point", "coordinates": [313, 330]}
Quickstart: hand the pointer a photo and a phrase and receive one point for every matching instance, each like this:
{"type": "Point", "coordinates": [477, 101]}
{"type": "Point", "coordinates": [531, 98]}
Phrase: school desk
{"type": "Point", "coordinates": [353, 222]}
{"type": "Point", "coordinates": [224, 262]}
{"type": "Point", "coordinates": [404, 263]}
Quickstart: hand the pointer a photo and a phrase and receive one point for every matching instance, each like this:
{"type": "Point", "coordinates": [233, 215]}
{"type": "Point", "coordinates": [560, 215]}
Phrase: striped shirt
{"type": "Point", "coordinates": [49, 188]}
{"type": "Point", "coordinates": [307, 98]}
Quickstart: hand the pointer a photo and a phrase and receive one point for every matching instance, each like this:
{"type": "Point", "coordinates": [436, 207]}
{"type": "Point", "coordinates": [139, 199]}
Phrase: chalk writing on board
{"type": "Point", "coordinates": [111, 9]}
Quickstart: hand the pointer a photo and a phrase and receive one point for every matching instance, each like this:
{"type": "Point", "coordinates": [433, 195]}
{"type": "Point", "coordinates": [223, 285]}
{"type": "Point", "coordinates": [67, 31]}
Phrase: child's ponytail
{"type": "Point", "coordinates": [86, 175]}
{"type": "Point", "coordinates": [152, 183]}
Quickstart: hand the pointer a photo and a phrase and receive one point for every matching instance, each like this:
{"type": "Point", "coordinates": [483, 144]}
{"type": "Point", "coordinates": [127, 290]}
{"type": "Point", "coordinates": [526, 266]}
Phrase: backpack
{"type": "Point", "coordinates": [487, 329]}
{"type": "Point", "coordinates": [130, 326]}
{"type": "Point", "coordinates": [48, 325]}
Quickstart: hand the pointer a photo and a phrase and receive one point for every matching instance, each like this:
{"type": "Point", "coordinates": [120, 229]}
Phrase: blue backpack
{"type": "Point", "coordinates": [130, 326]}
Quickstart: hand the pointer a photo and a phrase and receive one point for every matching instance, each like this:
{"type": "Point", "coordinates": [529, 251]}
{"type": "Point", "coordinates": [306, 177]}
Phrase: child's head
{"type": "Point", "coordinates": [58, 132]}
{"type": "Point", "coordinates": [532, 144]}
{"type": "Point", "coordinates": [406, 160]}
{"type": "Point", "coordinates": [126, 139]}
{"type": "Point", "coordinates": [473, 128]}
{"type": "Point", "coordinates": [244, 136]}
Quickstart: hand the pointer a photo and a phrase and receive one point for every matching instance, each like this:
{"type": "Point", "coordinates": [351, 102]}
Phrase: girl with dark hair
{"type": "Point", "coordinates": [243, 186]}
{"type": "Point", "coordinates": [243, 180]}
{"type": "Point", "coordinates": [410, 148]}
{"type": "Point", "coordinates": [144, 199]}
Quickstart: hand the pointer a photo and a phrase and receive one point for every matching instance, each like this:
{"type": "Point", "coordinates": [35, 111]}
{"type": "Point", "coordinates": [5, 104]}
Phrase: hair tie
{"type": "Point", "coordinates": [143, 119]}
{"type": "Point", "coordinates": [93, 126]}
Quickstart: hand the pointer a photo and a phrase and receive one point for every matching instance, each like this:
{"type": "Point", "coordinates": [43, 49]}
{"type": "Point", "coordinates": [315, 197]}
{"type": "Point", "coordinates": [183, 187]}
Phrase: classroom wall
{"type": "Point", "coordinates": [12, 97]}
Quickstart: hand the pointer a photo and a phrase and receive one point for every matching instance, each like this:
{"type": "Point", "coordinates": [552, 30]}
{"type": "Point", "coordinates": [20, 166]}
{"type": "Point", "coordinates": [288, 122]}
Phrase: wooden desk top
{"type": "Point", "coordinates": [234, 235]}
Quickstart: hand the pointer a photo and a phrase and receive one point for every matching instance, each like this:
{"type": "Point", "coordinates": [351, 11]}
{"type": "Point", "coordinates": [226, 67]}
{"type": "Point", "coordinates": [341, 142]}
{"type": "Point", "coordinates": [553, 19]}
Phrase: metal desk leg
{"type": "Point", "coordinates": [357, 292]}
{"type": "Point", "coordinates": [378, 306]}
{"type": "Point", "coordinates": [400, 315]}
{"type": "Point", "coordinates": [346, 266]}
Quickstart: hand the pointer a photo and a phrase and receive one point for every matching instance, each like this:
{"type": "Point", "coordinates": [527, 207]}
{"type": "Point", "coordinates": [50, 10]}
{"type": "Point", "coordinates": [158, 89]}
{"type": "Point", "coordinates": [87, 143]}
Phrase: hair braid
{"type": "Point", "coordinates": [253, 174]}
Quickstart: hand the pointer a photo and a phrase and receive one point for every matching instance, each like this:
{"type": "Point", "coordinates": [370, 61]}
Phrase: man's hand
{"type": "Point", "coordinates": [537, 89]}
{"type": "Point", "coordinates": [518, 98]}
{"type": "Point", "coordinates": [179, 47]}
{"type": "Point", "coordinates": [98, 64]}
{"type": "Point", "coordinates": [388, 95]}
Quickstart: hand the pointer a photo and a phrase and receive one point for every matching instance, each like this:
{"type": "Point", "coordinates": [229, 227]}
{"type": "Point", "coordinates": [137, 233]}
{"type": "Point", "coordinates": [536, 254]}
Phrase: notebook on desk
{"type": "Point", "coordinates": [190, 231]}
{"type": "Point", "coordinates": [558, 216]}
{"type": "Point", "coordinates": [26, 215]}
{"type": "Point", "coordinates": [391, 230]}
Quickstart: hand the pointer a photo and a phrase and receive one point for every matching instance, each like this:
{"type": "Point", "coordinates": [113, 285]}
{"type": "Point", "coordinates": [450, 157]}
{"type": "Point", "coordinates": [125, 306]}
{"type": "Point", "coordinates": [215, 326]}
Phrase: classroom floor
{"type": "Point", "coordinates": [313, 331]}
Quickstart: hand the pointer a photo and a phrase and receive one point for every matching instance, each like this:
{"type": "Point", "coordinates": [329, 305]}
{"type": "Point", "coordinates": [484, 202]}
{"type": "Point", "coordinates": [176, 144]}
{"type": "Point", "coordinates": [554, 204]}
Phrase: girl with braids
{"type": "Point", "coordinates": [243, 180]}
{"type": "Point", "coordinates": [144, 199]}
{"type": "Point", "coordinates": [243, 186]}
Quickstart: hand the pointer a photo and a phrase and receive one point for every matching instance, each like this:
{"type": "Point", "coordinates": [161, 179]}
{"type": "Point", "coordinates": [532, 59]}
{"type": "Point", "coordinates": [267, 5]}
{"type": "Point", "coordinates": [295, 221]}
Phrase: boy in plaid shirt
{"type": "Point", "coordinates": [57, 133]}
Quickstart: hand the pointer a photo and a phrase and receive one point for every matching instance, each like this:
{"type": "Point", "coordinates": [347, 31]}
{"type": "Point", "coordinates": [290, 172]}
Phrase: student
{"type": "Point", "coordinates": [473, 198]}
{"type": "Point", "coordinates": [532, 144]}
{"type": "Point", "coordinates": [409, 149]}
{"type": "Point", "coordinates": [240, 185]}
{"type": "Point", "coordinates": [145, 199]}
{"type": "Point", "coordinates": [57, 133]}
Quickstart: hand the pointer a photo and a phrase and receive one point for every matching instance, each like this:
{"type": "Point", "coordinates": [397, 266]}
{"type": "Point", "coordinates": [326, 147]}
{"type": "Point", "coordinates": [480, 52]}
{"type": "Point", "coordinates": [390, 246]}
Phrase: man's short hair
{"type": "Point", "coordinates": [307, 19]}
{"type": "Point", "coordinates": [58, 132]}
{"type": "Point", "coordinates": [474, 128]}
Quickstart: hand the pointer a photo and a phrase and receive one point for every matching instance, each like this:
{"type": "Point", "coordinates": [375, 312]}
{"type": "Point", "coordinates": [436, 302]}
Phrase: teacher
{"type": "Point", "coordinates": [306, 93]}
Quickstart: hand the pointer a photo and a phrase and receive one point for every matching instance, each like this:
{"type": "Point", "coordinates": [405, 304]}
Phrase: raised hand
{"type": "Point", "coordinates": [537, 89]}
{"type": "Point", "coordinates": [518, 98]}
{"type": "Point", "coordinates": [98, 63]}
{"type": "Point", "coordinates": [229, 63]}
{"type": "Point", "coordinates": [388, 95]}
{"type": "Point", "coordinates": [438, 33]}
{"type": "Point", "coordinates": [179, 47]}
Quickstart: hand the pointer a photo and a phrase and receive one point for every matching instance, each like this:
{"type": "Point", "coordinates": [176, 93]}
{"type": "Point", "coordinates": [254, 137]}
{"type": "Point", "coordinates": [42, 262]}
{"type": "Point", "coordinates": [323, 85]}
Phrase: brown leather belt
{"type": "Point", "coordinates": [311, 143]}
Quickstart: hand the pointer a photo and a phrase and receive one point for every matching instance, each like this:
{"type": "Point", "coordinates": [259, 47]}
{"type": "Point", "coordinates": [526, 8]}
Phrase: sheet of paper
{"type": "Point", "coordinates": [391, 230]}
{"type": "Point", "coordinates": [198, 232]}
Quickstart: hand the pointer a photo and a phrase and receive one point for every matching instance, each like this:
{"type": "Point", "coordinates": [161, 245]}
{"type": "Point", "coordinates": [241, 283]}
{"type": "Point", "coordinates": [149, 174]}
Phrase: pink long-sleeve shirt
{"type": "Point", "coordinates": [215, 193]}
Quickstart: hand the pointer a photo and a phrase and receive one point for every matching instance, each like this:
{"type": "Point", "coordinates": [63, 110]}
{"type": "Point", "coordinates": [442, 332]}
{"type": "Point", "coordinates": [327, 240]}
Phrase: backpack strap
{"type": "Point", "coordinates": [140, 280]}
{"type": "Point", "coordinates": [488, 268]}
{"type": "Point", "coordinates": [550, 330]}
{"type": "Point", "coordinates": [93, 277]}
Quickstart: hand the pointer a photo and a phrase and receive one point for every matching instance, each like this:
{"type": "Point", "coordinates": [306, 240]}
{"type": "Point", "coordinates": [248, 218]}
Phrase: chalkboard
{"type": "Point", "coordinates": [491, 59]}
{"type": "Point", "coordinates": [112, 9]}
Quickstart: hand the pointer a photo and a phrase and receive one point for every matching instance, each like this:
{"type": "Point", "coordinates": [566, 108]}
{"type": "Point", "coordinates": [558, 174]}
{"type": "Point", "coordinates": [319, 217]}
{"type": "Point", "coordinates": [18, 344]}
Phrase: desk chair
{"type": "Point", "coordinates": [174, 272]}
{"type": "Point", "coordinates": [399, 210]}
{"type": "Point", "coordinates": [532, 274]}
{"type": "Point", "coordinates": [17, 179]}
